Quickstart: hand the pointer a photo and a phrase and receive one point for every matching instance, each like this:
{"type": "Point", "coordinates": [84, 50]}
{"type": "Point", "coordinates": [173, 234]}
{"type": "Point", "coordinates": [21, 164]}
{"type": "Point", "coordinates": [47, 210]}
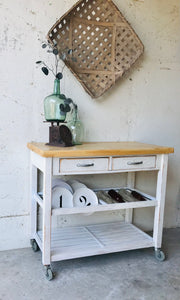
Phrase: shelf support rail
{"type": "Point", "coordinates": [160, 197]}
{"type": "Point", "coordinates": [33, 190]}
{"type": "Point", "coordinates": [38, 199]}
{"type": "Point", "coordinates": [130, 184]}
{"type": "Point", "coordinates": [46, 235]}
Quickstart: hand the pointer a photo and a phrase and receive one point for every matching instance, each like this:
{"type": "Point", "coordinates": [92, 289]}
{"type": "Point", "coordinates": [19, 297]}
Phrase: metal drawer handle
{"type": "Point", "coordinates": [85, 165]}
{"type": "Point", "coordinates": [135, 163]}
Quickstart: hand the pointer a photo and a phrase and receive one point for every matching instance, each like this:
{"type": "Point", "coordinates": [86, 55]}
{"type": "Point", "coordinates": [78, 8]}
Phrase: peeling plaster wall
{"type": "Point", "coordinates": [143, 106]}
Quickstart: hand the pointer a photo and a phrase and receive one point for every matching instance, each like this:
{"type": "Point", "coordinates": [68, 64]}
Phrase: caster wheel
{"type": "Point", "coordinates": [34, 245]}
{"type": "Point", "coordinates": [159, 255]}
{"type": "Point", "coordinates": [49, 274]}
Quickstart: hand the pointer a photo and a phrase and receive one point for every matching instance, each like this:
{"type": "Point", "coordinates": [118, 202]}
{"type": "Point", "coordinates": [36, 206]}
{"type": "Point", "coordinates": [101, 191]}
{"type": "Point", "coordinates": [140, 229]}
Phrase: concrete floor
{"type": "Point", "coordinates": [132, 275]}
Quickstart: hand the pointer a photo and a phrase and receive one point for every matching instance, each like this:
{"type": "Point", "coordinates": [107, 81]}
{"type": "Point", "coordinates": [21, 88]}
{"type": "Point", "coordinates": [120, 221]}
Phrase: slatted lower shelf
{"type": "Point", "coordinates": [73, 242]}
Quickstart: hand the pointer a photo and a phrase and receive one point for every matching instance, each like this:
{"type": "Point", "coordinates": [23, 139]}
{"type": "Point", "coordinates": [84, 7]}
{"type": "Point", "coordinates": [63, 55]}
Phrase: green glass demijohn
{"type": "Point", "coordinates": [76, 127]}
{"type": "Point", "coordinates": [52, 104]}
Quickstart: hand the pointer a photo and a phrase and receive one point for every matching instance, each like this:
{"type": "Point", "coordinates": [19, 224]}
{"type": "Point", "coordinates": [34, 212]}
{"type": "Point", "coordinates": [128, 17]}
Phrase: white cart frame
{"type": "Point", "coordinates": [100, 238]}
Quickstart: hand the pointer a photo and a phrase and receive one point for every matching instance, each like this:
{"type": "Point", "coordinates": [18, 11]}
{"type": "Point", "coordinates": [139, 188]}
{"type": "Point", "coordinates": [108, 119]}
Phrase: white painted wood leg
{"type": "Point", "coordinates": [33, 191]}
{"type": "Point", "coordinates": [46, 239]}
{"type": "Point", "coordinates": [130, 184]}
{"type": "Point", "coordinates": [160, 197]}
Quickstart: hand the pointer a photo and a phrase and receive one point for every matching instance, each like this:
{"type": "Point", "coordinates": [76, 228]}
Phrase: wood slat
{"type": "Point", "coordinates": [38, 200]}
{"type": "Point", "coordinates": [100, 208]}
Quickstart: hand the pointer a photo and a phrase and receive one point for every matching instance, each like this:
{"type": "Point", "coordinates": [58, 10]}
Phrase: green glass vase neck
{"type": "Point", "coordinates": [56, 90]}
{"type": "Point", "coordinates": [75, 115]}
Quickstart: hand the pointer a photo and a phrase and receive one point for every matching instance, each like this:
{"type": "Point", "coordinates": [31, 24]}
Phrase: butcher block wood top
{"type": "Point", "coordinates": [99, 149]}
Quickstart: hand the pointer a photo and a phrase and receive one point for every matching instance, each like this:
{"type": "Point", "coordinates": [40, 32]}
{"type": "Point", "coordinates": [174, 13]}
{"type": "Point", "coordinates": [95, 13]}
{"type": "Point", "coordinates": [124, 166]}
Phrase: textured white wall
{"type": "Point", "coordinates": [144, 106]}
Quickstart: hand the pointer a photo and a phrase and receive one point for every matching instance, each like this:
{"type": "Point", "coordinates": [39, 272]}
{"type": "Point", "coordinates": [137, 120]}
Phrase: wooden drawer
{"type": "Point", "coordinates": [80, 165]}
{"type": "Point", "coordinates": [132, 163]}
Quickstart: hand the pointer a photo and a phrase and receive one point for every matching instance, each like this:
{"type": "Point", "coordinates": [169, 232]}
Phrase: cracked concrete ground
{"type": "Point", "coordinates": [131, 275]}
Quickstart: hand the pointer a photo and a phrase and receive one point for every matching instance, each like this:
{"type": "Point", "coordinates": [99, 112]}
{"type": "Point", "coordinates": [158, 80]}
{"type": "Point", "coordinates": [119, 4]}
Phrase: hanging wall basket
{"type": "Point", "coordinates": [103, 44]}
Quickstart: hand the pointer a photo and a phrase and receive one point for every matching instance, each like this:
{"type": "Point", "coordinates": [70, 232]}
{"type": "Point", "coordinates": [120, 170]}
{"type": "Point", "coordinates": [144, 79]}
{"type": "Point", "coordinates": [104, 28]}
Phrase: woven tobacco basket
{"type": "Point", "coordinates": [103, 44]}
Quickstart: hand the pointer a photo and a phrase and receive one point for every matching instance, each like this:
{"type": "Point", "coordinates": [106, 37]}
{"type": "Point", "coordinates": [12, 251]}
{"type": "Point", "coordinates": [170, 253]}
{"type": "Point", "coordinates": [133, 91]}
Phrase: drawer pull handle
{"type": "Point", "coordinates": [130, 163]}
{"type": "Point", "coordinates": [85, 165]}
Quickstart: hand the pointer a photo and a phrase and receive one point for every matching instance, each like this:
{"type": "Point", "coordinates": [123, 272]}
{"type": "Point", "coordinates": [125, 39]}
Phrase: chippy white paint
{"type": "Point", "coordinates": [144, 106]}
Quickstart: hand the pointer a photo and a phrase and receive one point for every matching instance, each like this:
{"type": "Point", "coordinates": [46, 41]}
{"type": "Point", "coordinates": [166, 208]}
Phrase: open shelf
{"type": "Point", "coordinates": [150, 202]}
{"type": "Point", "coordinates": [81, 241]}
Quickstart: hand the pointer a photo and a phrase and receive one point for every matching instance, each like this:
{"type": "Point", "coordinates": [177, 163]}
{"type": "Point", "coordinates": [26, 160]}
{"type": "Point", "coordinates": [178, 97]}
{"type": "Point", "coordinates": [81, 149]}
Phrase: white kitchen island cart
{"type": "Point", "coordinates": [95, 158]}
